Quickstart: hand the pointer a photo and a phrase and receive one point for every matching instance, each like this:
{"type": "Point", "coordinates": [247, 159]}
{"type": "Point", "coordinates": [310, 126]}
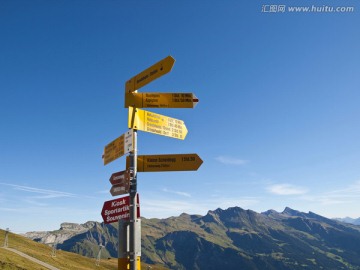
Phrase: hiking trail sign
{"type": "Point", "coordinates": [165, 163]}
{"type": "Point", "coordinates": [126, 210]}
{"type": "Point", "coordinates": [150, 74]}
{"type": "Point", "coordinates": [156, 123]}
{"type": "Point", "coordinates": [161, 100]}
{"type": "Point", "coordinates": [118, 147]}
{"type": "Point", "coordinates": [117, 209]}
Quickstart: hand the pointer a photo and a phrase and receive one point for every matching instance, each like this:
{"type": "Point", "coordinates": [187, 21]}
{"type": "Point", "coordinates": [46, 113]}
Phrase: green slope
{"type": "Point", "coordinates": [63, 260]}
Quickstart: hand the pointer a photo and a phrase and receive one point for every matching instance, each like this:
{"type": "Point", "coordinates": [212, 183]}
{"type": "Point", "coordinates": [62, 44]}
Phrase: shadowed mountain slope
{"type": "Point", "coordinates": [233, 239]}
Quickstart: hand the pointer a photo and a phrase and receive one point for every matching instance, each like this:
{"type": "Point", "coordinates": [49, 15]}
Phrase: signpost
{"type": "Point", "coordinates": [150, 74]}
{"type": "Point", "coordinates": [117, 209]}
{"type": "Point", "coordinates": [161, 100]}
{"type": "Point", "coordinates": [118, 147]}
{"type": "Point", "coordinates": [162, 163]}
{"type": "Point", "coordinates": [126, 210]}
{"type": "Point", "coordinates": [156, 123]}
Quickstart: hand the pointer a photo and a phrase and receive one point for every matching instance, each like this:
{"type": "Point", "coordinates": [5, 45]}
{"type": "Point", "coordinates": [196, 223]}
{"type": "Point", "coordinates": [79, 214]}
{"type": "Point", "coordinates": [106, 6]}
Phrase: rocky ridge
{"type": "Point", "coordinates": [233, 238]}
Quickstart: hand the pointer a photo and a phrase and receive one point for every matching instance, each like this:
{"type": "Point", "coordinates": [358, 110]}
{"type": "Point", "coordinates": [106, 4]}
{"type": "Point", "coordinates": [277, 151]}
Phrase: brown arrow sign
{"type": "Point", "coordinates": [120, 177]}
{"type": "Point", "coordinates": [120, 182]}
{"type": "Point", "coordinates": [121, 189]}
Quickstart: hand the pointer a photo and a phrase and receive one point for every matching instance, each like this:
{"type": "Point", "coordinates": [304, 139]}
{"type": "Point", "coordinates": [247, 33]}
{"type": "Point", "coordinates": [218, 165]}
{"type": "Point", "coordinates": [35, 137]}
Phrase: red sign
{"type": "Point", "coordinates": [120, 189]}
{"type": "Point", "coordinates": [118, 209]}
{"type": "Point", "coordinates": [120, 177]}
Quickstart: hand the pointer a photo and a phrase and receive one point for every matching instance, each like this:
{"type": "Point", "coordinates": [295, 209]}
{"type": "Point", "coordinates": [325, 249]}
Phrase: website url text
{"type": "Point", "coordinates": [313, 9]}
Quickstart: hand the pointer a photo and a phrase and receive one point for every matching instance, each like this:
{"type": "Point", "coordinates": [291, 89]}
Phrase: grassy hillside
{"type": "Point", "coordinates": [63, 260]}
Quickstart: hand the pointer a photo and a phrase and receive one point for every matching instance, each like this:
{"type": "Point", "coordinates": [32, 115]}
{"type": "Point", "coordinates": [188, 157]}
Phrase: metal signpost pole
{"type": "Point", "coordinates": [133, 205]}
{"type": "Point", "coordinates": [123, 260]}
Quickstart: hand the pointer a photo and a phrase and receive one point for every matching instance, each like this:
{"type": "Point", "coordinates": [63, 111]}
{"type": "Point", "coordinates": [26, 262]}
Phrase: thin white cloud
{"type": "Point", "coordinates": [164, 208]}
{"type": "Point", "coordinates": [325, 200]}
{"type": "Point", "coordinates": [45, 193]}
{"type": "Point", "coordinates": [180, 193]}
{"type": "Point", "coordinates": [347, 195]}
{"type": "Point", "coordinates": [286, 189]}
{"type": "Point", "coordinates": [351, 190]}
{"type": "Point", "coordinates": [7, 209]}
{"type": "Point", "coordinates": [231, 160]}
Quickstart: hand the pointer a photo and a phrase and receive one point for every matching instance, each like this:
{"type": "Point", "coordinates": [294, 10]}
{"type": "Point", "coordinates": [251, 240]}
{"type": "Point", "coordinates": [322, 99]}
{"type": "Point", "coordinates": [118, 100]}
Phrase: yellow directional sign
{"type": "Point", "coordinates": [150, 74]}
{"type": "Point", "coordinates": [118, 147]}
{"type": "Point", "coordinates": [156, 123]}
{"type": "Point", "coordinates": [162, 163]}
{"type": "Point", "coordinates": [161, 100]}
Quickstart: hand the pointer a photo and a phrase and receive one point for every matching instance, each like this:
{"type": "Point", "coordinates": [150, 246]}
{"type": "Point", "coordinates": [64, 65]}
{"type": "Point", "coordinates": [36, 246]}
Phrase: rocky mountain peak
{"type": "Point", "coordinates": [270, 212]}
{"type": "Point", "coordinates": [212, 216]}
{"type": "Point", "coordinates": [291, 212]}
{"type": "Point", "coordinates": [67, 226]}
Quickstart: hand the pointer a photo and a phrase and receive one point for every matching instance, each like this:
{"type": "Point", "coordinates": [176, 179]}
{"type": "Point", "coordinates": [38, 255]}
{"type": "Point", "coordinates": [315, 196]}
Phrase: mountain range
{"type": "Point", "coordinates": [355, 221]}
{"type": "Point", "coordinates": [225, 239]}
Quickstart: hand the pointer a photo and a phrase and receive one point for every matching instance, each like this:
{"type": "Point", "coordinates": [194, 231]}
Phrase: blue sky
{"type": "Point", "coordinates": [277, 123]}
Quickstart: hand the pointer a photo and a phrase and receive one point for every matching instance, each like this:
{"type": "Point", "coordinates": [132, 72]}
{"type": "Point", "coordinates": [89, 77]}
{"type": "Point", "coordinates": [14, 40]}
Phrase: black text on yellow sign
{"type": "Point", "coordinates": [150, 74]}
{"type": "Point", "coordinates": [161, 100]}
{"type": "Point", "coordinates": [163, 163]}
{"type": "Point", "coordinates": [118, 147]}
{"type": "Point", "coordinates": [156, 123]}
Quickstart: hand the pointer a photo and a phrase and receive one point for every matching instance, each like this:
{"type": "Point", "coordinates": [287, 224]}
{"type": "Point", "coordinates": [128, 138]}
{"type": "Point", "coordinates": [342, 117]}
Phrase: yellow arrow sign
{"type": "Point", "coordinates": [161, 100]}
{"type": "Point", "coordinates": [150, 74]}
{"type": "Point", "coordinates": [118, 147]}
{"type": "Point", "coordinates": [162, 163]}
{"type": "Point", "coordinates": [156, 123]}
